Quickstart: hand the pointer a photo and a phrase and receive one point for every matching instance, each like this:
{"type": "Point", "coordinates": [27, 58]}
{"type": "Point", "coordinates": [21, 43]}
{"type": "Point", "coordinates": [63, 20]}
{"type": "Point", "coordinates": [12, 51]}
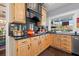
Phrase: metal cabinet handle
{"type": "Point", "coordinates": [39, 42]}
{"type": "Point", "coordinates": [30, 44]}
{"type": "Point", "coordinates": [28, 47]}
{"type": "Point", "coordinates": [17, 49]}
{"type": "Point", "coordinates": [34, 38]}
{"type": "Point", "coordinates": [24, 42]}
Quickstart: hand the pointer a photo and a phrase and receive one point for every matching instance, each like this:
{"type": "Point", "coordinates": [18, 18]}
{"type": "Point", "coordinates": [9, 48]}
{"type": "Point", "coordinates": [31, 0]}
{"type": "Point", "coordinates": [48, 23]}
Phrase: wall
{"type": "Point", "coordinates": [76, 14]}
{"type": "Point", "coordinates": [9, 40]}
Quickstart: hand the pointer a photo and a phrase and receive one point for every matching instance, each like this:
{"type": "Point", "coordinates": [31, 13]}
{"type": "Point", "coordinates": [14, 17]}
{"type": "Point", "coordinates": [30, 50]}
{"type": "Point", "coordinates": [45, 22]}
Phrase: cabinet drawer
{"type": "Point", "coordinates": [65, 40]}
{"type": "Point", "coordinates": [57, 44]}
{"type": "Point", "coordinates": [41, 36]}
{"type": "Point", "coordinates": [66, 36]}
{"type": "Point", "coordinates": [63, 45]}
{"type": "Point", "coordinates": [22, 42]}
{"type": "Point", "coordinates": [34, 38]}
{"type": "Point", "coordinates": [66, 44]}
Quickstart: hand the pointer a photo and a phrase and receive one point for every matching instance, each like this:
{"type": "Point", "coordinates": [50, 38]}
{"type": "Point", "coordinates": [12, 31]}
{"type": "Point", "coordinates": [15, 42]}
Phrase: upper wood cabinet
{"type": "Point", "coordinates": [44, 15]}
{"type": "Point", "coordinates": [12, 12]}
{"type": "Point", "coordinates": [18, 12]}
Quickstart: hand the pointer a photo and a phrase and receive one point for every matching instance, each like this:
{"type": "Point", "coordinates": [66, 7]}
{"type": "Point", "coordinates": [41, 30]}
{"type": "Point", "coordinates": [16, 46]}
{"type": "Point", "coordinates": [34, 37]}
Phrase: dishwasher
{"type": "Point", "coordinates": [75, 44]}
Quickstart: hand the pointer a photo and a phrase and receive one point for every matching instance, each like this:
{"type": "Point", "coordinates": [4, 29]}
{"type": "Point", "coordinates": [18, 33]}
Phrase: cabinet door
{"type": "Point", "coordinates": [69, 44]}
{"type": "Point", "coordinates": [44, 15]}
{"type": "Point", "coordinates": [43, 41]}
{"type": "Point", "coordinates": [63, 43]}
{"type": "Point", "coordinates": [66, 43]}
{"type": "Point", "coordinates": [20, 12]}
{"type": "Point", "coordinates": [57, 41]}
{"type": "Point", "coordinates": [52, 40]}
{"type": "Point", "coordinates": [23, 48]}
{"type": "Point", "coordinates": [46, 40]}
{"type": "Point", "coordinates": [40, 43]}
{"type": "Point", "coordinates": [12, 9]}
{"type": "Point", "coordinates": [34, 45]}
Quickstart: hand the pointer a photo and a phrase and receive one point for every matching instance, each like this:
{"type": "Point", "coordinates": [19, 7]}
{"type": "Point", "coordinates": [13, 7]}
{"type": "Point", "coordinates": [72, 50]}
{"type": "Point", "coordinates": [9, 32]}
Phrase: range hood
{"type": "Point", "coordinates": [35, 19]}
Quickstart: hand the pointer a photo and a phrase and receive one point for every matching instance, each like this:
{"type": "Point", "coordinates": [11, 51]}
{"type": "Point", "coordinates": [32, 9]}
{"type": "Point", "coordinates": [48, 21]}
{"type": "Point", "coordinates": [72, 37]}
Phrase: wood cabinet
{"type": "Point", "coordinates": [23, 47]}
{"type": "Point", "coordinates": [12, 10]}
{"type": "Point", "coordinates": [53, 37]}
{"type": "Point", "coordinates": [18, 12]}
{"type": "Point", "coordinates": [47, 40]}
{"type": "Point", "coordinates": [66, 43]}
{"type": "Point", "coordinates": [44, 15]}
{"type": "Point", "coordinates": [57, 41]}
{"type": "Point", "coordinates": [40, 43]}
{"type": "Point", "coordinates": [42, 39]}
{"type": "Point", "coordinates": [63, 42]}
{"type": "Point", "coordinates": [34, 45]}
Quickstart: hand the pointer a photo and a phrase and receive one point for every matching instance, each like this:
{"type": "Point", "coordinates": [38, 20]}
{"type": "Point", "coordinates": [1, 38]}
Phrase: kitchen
{"type": "Point", "coordinates": [43, 29]}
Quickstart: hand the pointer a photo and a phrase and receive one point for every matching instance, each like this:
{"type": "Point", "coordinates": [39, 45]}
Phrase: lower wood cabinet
{"type": "Point", "coordinates": [42, 43]}
{"type": "Point", "coordinates": [57, 42]}
{"type": "Point", "coordinates": [52, 40]}
{"type": "Point", "coordinates": [47, 40]}
{"type": "Point", "coordinates": [66, 43]}
{"type": "Point", "coordinates": [32, 46]}
{"type": "Point", "coordinates": [35, 45]}
{"type": "Point", "coordinates": [23, 47]}
{"type": "Point", "coordinates": [63, 42]}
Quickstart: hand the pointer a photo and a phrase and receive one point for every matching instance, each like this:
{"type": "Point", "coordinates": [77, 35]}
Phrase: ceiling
{"type": "Point", "coordinates": [53, 6]}
{"type": "Point", "coordinates": [58, 8]}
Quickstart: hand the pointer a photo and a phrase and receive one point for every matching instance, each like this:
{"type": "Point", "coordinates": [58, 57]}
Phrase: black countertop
{"type": "Point", "coordinates": [25, 37]}
{"type": "Point", "coordinates": [72, 34]}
